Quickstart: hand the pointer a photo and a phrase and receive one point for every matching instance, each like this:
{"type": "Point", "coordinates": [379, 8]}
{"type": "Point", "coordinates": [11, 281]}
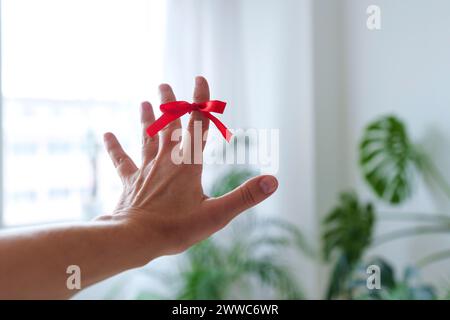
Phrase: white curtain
{"type": "Point", "coordinates": [257, 55]}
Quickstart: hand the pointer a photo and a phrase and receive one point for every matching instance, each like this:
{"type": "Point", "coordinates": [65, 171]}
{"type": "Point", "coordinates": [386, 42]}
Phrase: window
{"type": "Point", "coordinates": [72, 70]}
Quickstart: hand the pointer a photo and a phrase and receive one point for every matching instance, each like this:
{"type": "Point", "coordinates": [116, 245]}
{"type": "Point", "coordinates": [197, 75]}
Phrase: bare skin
{"type": "Point", "coordinates": [161, 211]}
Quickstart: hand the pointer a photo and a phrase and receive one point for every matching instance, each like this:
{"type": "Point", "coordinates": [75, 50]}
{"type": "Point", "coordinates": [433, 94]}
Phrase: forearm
{"type": "Point", "coordinates": [34, 261]}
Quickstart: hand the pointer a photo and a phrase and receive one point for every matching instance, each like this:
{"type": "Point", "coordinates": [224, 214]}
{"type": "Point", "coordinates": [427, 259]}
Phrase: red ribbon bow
{"type": "Point", "coordinates": [174, 110]}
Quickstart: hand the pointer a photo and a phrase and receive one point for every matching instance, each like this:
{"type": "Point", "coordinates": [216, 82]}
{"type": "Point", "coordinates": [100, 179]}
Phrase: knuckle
{"type": "Point", "coordinates": [191, 124]}
{"type": "Point", "coordinates": [168, 129]}
{"type": "Point", "coordinates": [247, 196]}
{"type": "Point", "coordinates": [147, 140]}
{"type": "Point", "coordinates": [199, 96]}
{"type": "Point", "coordinates": [149, 145]}
{"type": "Point", "coordinates": [118, 162]}
{"type": "Point", "coordinates": [120, 159]}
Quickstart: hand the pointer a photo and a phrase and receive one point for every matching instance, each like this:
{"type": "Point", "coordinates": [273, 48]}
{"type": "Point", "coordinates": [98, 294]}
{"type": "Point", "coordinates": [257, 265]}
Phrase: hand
{"type": "Point", "coordinates": [163, 204]}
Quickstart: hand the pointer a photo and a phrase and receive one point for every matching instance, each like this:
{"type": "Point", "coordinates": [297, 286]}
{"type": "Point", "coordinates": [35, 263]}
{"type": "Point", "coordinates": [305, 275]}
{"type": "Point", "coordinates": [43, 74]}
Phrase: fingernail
{"type": "Point", "coordinates": [164, 87]}
{"type": "Point", "coordinates": [144, 106]}
{"type": "Point", "coordinates": [199, 80]}
{"type": "Point", "coordinates": [106, 136]}
{"type": "Point", "coordinates": [268, 184]}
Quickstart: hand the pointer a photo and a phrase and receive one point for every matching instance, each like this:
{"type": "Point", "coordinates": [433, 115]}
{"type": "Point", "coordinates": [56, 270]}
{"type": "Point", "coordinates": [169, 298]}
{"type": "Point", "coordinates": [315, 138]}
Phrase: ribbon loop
{"type": "Point", "coordinates": [176, 109]}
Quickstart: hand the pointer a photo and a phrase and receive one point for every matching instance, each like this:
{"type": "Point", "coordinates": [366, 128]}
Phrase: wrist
{"type": "Point", "coordinates": [129, 237]}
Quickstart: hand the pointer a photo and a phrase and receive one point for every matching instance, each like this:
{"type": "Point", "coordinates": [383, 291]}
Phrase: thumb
{"type": "Point", "coordinates": [247, 195]}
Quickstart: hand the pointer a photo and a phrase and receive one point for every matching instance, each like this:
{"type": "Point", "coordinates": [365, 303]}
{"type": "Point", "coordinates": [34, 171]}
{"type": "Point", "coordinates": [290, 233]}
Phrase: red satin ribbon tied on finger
{"type": "Point", "coordinates": [176, 109]}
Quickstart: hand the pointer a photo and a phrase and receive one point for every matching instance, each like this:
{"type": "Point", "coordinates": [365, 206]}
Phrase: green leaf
{"type": "Point", "coordinates": [347, 232]}
{"type": "Point", "coordinates": [348, 228]}
{"type": "Point", "coordinates": [388, 159]}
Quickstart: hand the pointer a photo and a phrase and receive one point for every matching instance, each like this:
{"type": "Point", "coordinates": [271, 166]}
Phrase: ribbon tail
{"type": "Point", "coordinates": [160, 123]}
{"type": "Point", "coordinates": [223, 130]}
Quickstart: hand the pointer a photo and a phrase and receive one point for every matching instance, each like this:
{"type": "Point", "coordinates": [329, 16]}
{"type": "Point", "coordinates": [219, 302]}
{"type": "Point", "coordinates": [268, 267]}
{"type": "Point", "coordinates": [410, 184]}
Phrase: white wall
{"type": "Point", "coordinates": [402, 69]}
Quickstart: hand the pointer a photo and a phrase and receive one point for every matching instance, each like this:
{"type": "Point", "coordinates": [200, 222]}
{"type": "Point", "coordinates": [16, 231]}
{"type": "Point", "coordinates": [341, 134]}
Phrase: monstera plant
{"type": "Point", "coordinates": [390, 162]}
{"type": "Point", "coordinates": [388, 159]}
{"type": "Point", "coordinates": [391, 165]}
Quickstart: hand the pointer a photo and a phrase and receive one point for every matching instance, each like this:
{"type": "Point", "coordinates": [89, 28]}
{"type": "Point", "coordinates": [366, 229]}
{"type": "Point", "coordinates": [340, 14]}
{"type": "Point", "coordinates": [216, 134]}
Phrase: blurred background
{"type": "Point", "coordinates": [364, 149]}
